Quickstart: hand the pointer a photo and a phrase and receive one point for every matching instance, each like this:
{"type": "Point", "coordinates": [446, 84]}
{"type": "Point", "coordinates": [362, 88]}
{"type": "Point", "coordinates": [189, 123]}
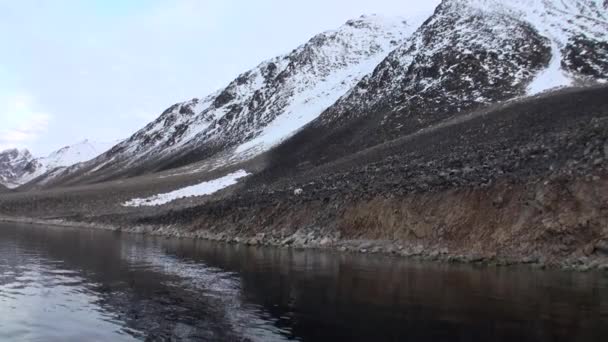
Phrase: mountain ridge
{"type": "Point", "coordinates": [26, 168]}
{"type": "Point", "coordinates": [455, 62]}
{"type": "Point", "coordinates": [13, 163]}
{"type": "Point", "coordinates": [285, 92]}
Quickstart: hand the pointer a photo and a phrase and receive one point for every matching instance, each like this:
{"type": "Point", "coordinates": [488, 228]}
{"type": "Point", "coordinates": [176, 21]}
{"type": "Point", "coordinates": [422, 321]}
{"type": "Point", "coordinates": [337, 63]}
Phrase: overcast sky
{"type": "Point", "coordinates": [102, 69]}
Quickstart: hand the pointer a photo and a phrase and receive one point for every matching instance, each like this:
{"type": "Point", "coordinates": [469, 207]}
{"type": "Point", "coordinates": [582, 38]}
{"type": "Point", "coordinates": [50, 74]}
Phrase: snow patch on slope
{"type": "Point", "coordinates": [558, 21]}
{"type": "Point", "coordinates": [204, 188]}
{"type": "Point", "coordinates": [551, 78]}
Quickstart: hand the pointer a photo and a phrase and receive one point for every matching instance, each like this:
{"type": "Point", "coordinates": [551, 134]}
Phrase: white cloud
{"type": "Point", "coordinates": [20, 122]}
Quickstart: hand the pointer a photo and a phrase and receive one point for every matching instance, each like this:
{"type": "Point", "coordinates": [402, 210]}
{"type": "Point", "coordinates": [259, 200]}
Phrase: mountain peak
{"type": "Point", "coordinates": [13, 164]}
{"type": "Point", "coordinates": [468, 54]}
{"type": "Point", "coordinates": [262, 106]}
{"type": "Point", "coordinates": [18, 167]}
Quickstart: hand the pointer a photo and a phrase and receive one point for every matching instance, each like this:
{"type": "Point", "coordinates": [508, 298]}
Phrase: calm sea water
{"type": "Point", "coordinates": [59, 284]}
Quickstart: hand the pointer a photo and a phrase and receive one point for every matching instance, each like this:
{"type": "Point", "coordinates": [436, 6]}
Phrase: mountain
{"type": "Point", "coordinates": [467, 55]}
{"type": "Point", "coordinates": [32, 168]}
{"type": "Point", "coordinates": [13, 165]}
{"type": "Point", "coordinates": [370, 81]}
{"type": "Point", "coordinates": [453, 145]}
{"type": "Point", "coordinates": [261, 107]}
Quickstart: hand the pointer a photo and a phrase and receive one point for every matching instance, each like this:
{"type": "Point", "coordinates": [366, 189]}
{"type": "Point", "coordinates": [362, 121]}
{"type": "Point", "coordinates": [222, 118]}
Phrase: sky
{"type": "Point", "coordinates": [102, 69]}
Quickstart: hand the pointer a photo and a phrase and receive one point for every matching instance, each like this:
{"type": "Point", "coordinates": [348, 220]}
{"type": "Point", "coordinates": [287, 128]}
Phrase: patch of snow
{"type": "Point", "coordinates": [558, 21]}
{"type": "Point", "coordinates": [204, 188]}
{"type": "Point", "coordinates": [551, 78]}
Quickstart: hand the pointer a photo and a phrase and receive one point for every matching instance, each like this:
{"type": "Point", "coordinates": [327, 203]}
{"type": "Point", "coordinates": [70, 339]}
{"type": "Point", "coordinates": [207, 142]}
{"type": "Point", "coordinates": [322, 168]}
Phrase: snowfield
{"type": "Point", "coordinates": [204, 188]}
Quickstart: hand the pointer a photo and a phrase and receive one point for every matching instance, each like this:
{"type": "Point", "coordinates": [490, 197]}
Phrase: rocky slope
{"type": "Point", "coordinates": [260, 107]}
{"type": "Point", "coordinates": [468, 54]}
{"type": "Point", "coordinates": [13, 165]}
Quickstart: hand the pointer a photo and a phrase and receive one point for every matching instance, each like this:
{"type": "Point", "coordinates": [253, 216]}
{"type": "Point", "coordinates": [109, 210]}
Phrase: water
{"type": "Point", "coordinates": [59, 284]}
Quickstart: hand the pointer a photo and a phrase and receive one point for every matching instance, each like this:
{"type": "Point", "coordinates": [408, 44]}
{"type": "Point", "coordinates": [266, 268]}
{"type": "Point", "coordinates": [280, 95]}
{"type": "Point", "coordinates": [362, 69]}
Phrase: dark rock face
{"type": "Point", "coordinates": [587, 57]}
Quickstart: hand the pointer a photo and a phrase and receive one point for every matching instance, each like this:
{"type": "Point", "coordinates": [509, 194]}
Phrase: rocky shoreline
{"type": "Point", "coordinates": [308, 240]}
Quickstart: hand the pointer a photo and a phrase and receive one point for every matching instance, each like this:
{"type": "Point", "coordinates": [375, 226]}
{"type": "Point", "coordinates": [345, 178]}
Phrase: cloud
{"type": "Point", "coordinates": [20, 122]}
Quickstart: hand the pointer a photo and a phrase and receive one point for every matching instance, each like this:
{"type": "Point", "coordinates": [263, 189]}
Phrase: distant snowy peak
{"type": "Point", "coordinates": [263, 106]}
{"type": "Point", "coordinates": [77, 153]}
{"type": "Point", "coordinates": [13, 164]}
{"type": "Point", "coordinates": [64, 157]}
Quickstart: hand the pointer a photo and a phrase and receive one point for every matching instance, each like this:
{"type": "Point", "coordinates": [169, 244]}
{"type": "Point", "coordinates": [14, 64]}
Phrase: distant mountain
{"type": "Point", "coordinates": [261, 107]}
{"type": "Point", "coordinates": [18, 167]}
{"type": "Point", "coordinates": [13, 165]}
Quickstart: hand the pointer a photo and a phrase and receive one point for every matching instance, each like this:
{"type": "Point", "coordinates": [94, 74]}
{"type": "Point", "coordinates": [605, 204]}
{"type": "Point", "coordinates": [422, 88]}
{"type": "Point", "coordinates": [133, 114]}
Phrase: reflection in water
{"type": "Point", "coordinates": [63, 284]}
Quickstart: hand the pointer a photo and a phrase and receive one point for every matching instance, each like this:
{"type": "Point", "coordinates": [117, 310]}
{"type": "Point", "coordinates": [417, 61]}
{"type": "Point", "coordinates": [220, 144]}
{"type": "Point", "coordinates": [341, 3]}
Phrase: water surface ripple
{"type": "Point", "coordinates": [59, 284]}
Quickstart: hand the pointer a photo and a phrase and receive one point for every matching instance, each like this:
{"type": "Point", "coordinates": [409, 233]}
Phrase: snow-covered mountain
{"type": "Point", "coordinates": [13, 165]}
{"type": "Point", "coordinates": [19, 166]}
{"type": "Point", "coordinates": [263, 106]}
{"type": "Point", "coordinates": [468, 54]}
{"type": "Point", "coordinates": [372, 80]}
